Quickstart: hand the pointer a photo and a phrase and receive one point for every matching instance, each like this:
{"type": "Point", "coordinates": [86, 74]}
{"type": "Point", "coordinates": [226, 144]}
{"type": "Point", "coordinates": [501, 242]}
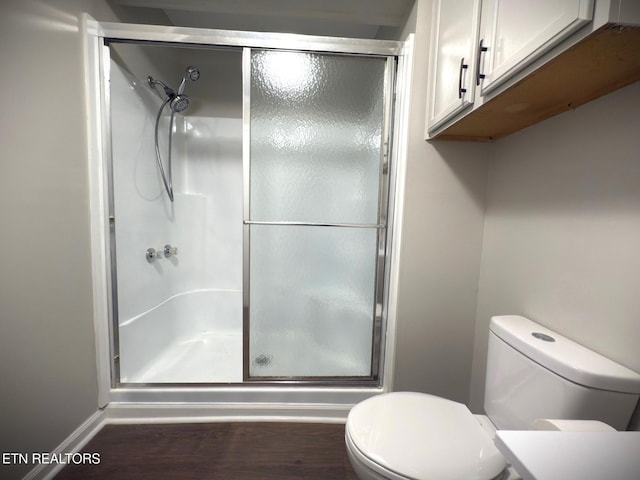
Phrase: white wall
{"type": "Point", "coordinates": [441, 243]}
{"type": "Point", "coordinates": [47, 354]}
{"type": "Point", "coordinates": [562, 230]}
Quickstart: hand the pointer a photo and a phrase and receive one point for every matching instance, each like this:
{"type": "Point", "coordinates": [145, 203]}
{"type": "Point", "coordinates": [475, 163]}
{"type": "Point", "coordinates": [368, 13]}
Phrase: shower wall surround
{"type": "Point", "coordinates": [170, 307]}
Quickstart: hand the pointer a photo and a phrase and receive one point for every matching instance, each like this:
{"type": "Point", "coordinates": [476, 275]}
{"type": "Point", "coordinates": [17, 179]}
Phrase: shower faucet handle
{"type": "Point", "coordinates": [168, 251]}
{"type": "Point", "coordinates": [152, 254]}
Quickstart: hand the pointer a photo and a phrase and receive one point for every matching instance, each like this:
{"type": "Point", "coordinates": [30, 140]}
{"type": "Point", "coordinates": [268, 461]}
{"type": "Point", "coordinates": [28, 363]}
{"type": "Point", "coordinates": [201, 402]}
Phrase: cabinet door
{"type": "Point", "coordinates": [517, 32]}
{"type": "Point", "coordinates": [453, 48]}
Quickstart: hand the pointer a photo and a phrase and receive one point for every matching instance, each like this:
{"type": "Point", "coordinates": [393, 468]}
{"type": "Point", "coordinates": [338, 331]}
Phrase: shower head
{"type": "Point", "coordinates": [190, 73]}
{"type": "Point", "coordinates": [179, 103]}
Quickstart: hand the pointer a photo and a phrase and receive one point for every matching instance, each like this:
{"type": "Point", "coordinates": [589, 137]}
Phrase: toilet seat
{"type": "Point", "coordinates": [362, 462]}
{"type": "Point", "coordinates": [407, 435]}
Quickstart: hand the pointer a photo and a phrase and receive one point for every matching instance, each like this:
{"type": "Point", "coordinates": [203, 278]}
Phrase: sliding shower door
{"type": "Point", "coordinates": [316, 174]}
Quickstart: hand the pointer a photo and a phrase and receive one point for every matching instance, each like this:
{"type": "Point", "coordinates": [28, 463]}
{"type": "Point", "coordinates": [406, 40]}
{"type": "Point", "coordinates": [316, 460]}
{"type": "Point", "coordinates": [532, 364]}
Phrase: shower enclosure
{"type": "Point", "coordinates": [248, 205]}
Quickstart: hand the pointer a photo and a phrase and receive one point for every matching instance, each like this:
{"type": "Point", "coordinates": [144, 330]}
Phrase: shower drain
{"type": "Point", "coordinates": [263, 360]}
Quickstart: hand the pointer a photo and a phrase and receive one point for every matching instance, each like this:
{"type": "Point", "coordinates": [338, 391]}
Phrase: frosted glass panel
{"type": "Point", "coordinates": [316, 129]}
{"type": "Point", "coordinates": [311, 300]}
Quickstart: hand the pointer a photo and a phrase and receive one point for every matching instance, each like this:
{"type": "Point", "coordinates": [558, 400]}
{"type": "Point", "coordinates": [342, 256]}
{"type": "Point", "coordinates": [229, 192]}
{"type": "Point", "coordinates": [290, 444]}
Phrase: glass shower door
{"type": "Point", "coordinates": [316, 178]}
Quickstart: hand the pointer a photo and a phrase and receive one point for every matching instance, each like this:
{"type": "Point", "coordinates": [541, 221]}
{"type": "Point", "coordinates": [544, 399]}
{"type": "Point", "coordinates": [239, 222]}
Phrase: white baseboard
{"type": "Point", "coordinates": [72, 444]}
{"type": "Point", "coordinates": [136, 413]}
{"type": "Point", "coordinates": [226, 412]}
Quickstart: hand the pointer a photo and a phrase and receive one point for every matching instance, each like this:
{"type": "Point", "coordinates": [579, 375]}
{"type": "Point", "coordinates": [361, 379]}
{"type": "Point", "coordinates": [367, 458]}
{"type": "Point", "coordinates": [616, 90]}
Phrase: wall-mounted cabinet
{"type": "Point", "coordinates": [454, 39]}
{"type": "Point", "coordinates": [499, 66]}
{"type": "Point", "coordinates": [515, 33]}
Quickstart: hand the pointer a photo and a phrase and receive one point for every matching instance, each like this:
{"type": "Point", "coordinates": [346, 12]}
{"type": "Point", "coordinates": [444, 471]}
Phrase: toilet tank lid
{"type": "Point", "coordinates": [564, 356]}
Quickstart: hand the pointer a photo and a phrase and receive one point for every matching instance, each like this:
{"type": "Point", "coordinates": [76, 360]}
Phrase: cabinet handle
{"type": "Point", "coordinates": [481, 48]}
{"type": "Point", "coordinates": [463, 67]}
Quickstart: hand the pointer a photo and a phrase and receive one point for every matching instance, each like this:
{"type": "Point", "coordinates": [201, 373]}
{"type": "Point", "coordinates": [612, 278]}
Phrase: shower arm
{"type": "Point", "coordinates": [168, 91]}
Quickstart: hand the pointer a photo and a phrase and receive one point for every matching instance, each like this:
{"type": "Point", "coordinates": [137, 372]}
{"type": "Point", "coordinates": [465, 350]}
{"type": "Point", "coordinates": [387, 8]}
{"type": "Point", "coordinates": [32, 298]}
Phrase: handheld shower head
{"type": "Point", "coordinates": [177, 102]}
{"type": "Point", "coordinates": [190, 73]}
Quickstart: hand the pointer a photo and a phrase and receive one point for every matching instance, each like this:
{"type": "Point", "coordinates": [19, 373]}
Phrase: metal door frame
{"type": "Point", "coordinates": [96, 36]}
{"type": "Point", "coordinates": [379, 320]}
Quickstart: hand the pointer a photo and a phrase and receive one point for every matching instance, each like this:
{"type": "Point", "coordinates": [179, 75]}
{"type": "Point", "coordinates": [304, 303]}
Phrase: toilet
{"type": "Point", "coordinates": [536, 379]}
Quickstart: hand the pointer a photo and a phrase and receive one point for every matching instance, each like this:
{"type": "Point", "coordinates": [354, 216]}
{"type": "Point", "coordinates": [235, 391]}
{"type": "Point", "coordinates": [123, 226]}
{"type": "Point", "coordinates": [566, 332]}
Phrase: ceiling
{"type": "Point", "coordinates": [341, 18]}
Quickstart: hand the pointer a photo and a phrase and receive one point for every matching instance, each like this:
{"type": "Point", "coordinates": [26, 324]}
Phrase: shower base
{"type": "Point", "coordinates": [210, 357]}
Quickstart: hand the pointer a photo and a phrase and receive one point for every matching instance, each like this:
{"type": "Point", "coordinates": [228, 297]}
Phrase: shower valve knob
{"type": "Point", "coordinates": [170, 251]}
{"type": "Point", "coordinates": [152, 254]}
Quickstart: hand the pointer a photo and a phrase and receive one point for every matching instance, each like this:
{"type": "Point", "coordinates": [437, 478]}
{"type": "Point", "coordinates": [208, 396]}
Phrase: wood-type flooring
{"type": "Point", "coordinates": [216, 451]}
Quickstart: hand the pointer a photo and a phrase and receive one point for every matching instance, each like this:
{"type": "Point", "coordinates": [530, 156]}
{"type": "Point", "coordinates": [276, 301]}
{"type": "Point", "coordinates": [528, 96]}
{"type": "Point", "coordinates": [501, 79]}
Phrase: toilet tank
{"type": "Point", "coordinates": [533, 372]}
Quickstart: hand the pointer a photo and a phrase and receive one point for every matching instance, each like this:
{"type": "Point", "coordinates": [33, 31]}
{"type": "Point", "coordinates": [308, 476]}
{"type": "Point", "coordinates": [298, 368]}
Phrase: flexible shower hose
{"type": "Point", "coordinates": [166, 179]}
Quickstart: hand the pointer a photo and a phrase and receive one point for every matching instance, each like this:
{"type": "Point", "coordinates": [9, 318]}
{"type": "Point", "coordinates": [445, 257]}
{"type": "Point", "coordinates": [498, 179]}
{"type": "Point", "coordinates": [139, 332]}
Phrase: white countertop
{"type": "Point", "coordinates": [555, 455]}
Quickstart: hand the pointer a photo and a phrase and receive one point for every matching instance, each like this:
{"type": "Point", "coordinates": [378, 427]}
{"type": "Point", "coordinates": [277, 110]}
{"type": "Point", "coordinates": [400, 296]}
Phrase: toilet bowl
{"type": "Point", "coordinates": [532, 374]}
{"type": "Point", "coordinates": [416, 436]}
